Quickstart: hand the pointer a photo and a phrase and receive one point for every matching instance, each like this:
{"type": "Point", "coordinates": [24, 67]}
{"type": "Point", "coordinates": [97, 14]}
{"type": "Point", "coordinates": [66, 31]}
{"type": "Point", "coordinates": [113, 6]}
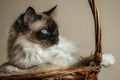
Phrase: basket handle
{"type": "Point", "coordinates": [98, 47]}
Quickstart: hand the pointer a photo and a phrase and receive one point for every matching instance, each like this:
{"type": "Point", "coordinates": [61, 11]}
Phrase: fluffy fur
{"type": "Point", "coordinates": [29, 54]}
{"type": "Point", "coordinates": [31, 50]}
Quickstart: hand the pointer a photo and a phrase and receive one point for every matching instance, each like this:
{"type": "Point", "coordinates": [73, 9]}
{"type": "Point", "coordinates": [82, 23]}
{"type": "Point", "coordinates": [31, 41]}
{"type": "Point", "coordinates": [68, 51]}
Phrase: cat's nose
{"type": "Point", "coordinates": [54, 38]}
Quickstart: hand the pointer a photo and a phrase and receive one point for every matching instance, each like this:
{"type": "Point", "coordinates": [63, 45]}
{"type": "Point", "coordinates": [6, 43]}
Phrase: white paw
{"type": "Point", "coordinates": [108, 60]}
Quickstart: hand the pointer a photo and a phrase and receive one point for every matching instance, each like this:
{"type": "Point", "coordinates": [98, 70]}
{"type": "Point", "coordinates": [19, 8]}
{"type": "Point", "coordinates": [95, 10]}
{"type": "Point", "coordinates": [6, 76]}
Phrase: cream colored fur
{"type": "Point", "coordinates": [41, 59]}
{"type": "Point", "coordinates": [58, 56]}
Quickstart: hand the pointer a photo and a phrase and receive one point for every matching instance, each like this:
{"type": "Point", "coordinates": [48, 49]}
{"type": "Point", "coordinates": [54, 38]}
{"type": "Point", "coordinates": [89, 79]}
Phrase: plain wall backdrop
{"type": "Point", "coordinates": [75, 20]}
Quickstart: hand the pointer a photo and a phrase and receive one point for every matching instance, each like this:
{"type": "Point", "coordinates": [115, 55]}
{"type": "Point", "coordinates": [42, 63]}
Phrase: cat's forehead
{"type": "Point", "coordinates": [40, 23]}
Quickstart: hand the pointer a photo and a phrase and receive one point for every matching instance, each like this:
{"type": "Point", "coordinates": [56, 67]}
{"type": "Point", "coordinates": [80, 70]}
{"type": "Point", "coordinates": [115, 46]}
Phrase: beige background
{"type": "Point", "coordinates": [75, 20]}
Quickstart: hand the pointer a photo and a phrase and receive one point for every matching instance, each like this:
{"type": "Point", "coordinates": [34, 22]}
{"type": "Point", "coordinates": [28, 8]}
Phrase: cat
{"type": "Point", "coordinates": [34, 45]}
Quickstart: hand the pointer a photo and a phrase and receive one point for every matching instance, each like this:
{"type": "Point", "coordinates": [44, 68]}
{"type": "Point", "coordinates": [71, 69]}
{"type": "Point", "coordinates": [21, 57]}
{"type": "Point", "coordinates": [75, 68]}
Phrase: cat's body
{"type": "Point", "coordinates": [35, 58]}
{"type": "Point", "coordinates": [34, 45]}
{"type": "Point", "coordinates": [27, 54]}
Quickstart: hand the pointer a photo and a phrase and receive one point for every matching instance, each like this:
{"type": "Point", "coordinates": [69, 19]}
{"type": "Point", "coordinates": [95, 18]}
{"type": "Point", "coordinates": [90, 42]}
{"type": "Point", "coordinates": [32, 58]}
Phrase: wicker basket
{"type": "Point", "coordinates": [78, 73]}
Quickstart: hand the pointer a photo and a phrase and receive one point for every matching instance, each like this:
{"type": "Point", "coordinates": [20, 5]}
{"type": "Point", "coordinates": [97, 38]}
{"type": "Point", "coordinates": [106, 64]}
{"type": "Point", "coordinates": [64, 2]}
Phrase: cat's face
{"type": "Point", "coordinates": [38, 28]}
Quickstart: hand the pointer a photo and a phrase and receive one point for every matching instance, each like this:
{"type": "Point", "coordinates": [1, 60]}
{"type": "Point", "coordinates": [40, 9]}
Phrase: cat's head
{"type": "Point", "coordinates": [38, 28]}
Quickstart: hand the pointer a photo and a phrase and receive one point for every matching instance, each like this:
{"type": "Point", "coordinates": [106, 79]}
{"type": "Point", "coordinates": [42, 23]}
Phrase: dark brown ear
{"type": "Point", "coordinates": [30, 15]}
{"type": "Point", "coordinates": [49, 12]}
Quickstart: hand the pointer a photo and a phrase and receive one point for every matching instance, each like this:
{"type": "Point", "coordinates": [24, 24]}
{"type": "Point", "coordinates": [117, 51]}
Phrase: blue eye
{"type": "Point", "coordinates": [44, 31]}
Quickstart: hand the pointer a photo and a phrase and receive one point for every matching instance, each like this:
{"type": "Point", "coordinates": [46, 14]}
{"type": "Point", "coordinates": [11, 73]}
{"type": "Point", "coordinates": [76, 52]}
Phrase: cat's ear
{"type": "Point", "coordinates": [30, 15]}
{"type": "Point", "coordinates": [25, 18]}
{"type": "Point", "coordinates": [49, 12]}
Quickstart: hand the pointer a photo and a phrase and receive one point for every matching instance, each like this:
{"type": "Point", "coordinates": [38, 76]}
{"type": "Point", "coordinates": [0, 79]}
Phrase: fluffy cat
{"type": "Point", "coordinates": [35, 45]}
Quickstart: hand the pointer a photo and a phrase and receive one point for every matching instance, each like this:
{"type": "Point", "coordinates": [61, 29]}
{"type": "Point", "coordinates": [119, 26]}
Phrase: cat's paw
{"type": "Point", "coordinates": [108, 60]}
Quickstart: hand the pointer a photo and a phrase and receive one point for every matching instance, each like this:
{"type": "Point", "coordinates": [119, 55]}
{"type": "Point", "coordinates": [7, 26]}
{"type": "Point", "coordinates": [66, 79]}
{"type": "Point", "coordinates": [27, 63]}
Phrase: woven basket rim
{"type": "Point", "coordinates": [80, 70]}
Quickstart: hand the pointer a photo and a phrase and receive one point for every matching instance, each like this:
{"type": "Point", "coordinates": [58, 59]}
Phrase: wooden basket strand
{"type": "Point", "coordinates": [79, 73]}
{"type": "Point", "coordinates": [98, 47]}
